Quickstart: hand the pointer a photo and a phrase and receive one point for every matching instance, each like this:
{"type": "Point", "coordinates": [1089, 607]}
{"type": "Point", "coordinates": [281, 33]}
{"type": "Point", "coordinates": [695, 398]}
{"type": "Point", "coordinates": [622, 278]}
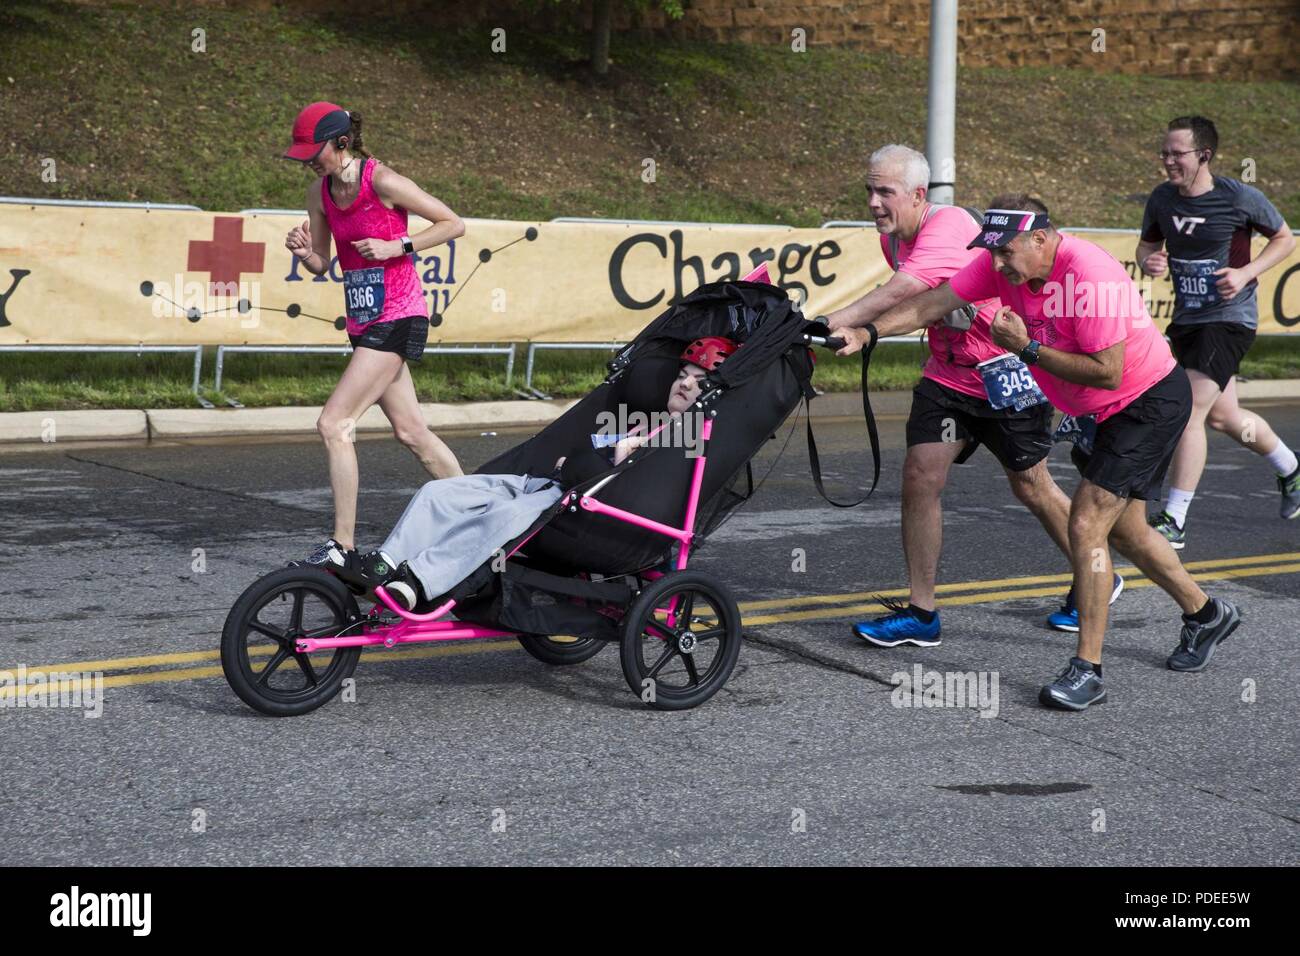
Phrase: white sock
{"type": "Point", "coordinates": [1177, 503]}
{"type": "Point", "coordinates": [1282, 459]}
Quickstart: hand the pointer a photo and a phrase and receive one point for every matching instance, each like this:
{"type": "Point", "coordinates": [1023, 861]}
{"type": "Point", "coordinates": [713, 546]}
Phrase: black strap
{"type": "Point", "coordinates": [814, 460]}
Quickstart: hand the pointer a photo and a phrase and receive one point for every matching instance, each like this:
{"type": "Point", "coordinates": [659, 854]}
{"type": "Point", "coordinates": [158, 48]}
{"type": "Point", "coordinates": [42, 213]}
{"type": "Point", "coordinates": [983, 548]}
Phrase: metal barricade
{"type": "Point", "coordinates": [223, 350]}
{"type": "Point", "coordinates": [195, 350]}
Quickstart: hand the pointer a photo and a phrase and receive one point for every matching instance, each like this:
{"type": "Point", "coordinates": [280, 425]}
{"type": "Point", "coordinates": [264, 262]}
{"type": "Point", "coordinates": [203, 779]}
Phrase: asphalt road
{"type": "Point", "coordinates": [480, 754]}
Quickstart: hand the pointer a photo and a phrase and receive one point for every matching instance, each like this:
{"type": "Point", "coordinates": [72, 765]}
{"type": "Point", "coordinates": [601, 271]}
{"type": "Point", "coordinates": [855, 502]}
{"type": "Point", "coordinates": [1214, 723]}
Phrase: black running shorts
{"type": "Point", "coordinates": [1134, 446]}
{"type": "Point", "coordinates": [1019, 440]}
{"type": "Point", "coordinates": [405, 336]}
{"type": "Point", "coordinates": [1214, 349]}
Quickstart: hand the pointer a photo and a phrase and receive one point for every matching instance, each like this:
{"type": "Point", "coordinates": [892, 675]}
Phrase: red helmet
{"type": "Point", "coordinates": [709, 351]}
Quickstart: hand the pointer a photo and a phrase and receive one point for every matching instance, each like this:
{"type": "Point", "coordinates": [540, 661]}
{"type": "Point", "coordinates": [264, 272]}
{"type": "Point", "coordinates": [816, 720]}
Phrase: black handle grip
{"type": "Point", "coordinates": [830, 341]}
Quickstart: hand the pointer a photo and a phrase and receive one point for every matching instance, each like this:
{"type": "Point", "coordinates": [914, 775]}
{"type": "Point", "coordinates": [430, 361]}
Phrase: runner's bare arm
{"type": "Point", "coordinates": [313, 234]}
{"type": "Point", "coordinates": [876, 302]}
{"type": "Point", "coordinates": [909, 315]}
{"type": "Point", "coordinates": [1102, 369]}
{"type": "Point", "coordinates": [1151, 257]}
{"type": "Point", "coordinates": [396, 190]}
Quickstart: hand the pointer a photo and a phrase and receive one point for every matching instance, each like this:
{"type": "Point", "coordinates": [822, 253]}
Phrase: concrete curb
{"type": "Point", "coordinates": [1268, 388]}
{"type": "Point", "coordinates": [129, 424]}
{"type": "Point", "coordinates": [215, 422]}
{"type": "Point", "coordinates": [73, 425]}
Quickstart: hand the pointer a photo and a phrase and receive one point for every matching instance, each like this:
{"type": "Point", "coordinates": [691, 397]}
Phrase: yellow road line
{"type": "Point", "coordinates": [842, 604]}
{"type": "Point", "coordinates": [1011, 595]}
{"type": "Point", "coordinates": [198, 673]}
{"type": "Point", "coordinates": [1003, 582]}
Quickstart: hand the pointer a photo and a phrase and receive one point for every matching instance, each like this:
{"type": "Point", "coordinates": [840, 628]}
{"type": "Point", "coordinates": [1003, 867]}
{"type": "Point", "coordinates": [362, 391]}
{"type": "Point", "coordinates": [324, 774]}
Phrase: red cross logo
{"type": "Point", "coordinates": [226, 255]}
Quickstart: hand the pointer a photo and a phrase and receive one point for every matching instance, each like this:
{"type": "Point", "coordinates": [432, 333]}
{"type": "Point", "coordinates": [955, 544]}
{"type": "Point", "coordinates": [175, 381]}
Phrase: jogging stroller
{"type": "Point", "coordinates": [596, 568]}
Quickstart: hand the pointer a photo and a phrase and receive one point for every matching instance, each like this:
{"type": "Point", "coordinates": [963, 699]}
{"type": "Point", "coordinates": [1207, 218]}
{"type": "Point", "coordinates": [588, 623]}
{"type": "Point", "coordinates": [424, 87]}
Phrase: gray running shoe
{"type": "Point", "coordinates": [1197, 643]}
{"type": "Point", "coordinates": [1077, 687]}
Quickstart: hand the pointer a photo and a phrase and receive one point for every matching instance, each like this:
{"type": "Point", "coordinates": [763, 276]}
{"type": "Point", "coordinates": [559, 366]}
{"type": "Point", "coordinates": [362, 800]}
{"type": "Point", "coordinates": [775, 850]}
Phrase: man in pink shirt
{"type": "Point", "coordinates": [1075, 318]}
{"type": "Point", "coordinates": [951, 414]}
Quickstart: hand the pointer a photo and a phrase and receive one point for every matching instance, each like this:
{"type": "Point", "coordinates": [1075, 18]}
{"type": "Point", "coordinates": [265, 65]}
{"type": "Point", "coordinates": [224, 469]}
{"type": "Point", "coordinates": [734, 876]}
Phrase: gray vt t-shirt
{"type": "Point", "coordinates": [1204, 233]}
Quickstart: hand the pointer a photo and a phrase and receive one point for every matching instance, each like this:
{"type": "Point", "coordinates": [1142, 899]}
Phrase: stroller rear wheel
{"type": "Point", "coordinates": [561, 650]}
{"type": "Point", "coordinates": [258, 651]}
{"type": "Point", "coordinates": [681, 638]}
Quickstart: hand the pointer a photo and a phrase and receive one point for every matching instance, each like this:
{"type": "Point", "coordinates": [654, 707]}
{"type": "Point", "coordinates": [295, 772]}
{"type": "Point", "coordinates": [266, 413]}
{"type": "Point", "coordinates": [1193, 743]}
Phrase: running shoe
{"type": "Point", "coordinates": [1169, 529]}
{"type": "Point", "coordinates": [377, 566]}
{"type": "Point", "coordinates": [404, 586]}
{"type": "Point", "coordinates": [1197, 642]}
{"type": "Point", "coordinates": [899, 627]}
{"type": "Point", "coordinates": [1067, 618]}
{"type": "Point", "coordinates": [344, 563]}
{"type": "Point", "coordinates": [1077, 687]}
{"type": "Point", "coordinates": [1290, 488]}
{"type": "Point", "coordinates": [331, 552]}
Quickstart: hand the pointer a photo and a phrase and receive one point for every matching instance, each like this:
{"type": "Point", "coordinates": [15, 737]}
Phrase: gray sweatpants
{"type": "Point", "coordinates": [453, 525]}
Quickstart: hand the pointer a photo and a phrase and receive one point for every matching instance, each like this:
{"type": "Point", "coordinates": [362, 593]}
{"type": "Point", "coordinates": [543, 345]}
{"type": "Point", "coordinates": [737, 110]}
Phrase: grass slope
{"type": "Point", "coordinates": [116, 96]}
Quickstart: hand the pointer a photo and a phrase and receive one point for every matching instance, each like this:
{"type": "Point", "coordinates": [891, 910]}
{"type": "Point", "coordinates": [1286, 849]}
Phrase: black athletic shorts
{"type": "Point", "coordinates": [1134, 447]}
{"type": "Point", "coordinates": [405, 336]}
{"type": "Point", "coordinates": [1214, 349]}
{"type": "Point", "coordinates": [1019, 440]}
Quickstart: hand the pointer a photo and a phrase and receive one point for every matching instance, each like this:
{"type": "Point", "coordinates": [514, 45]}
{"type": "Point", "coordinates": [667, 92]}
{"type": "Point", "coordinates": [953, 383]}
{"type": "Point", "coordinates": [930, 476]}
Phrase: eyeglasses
{"type": "Point", "coordinates": [1165, 154]}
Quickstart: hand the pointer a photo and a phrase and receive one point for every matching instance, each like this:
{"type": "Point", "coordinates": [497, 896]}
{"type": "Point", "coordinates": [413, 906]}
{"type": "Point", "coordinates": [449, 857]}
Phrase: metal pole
{"type": "Point", "coordinates": [940, 121]}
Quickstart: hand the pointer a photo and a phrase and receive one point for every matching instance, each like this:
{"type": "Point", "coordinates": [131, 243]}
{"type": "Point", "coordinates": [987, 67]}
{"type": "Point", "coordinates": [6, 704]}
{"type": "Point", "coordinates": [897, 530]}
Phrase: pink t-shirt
{"type": "Point", "coordinates": [938, 251]}
{"type": "Point", "coordinates": [1087, 304]}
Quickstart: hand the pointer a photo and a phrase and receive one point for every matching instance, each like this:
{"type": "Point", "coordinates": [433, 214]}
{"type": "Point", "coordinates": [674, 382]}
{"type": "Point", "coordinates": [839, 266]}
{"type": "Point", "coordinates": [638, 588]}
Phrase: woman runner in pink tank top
{"type": "Point", "coordinates": [361, 205]}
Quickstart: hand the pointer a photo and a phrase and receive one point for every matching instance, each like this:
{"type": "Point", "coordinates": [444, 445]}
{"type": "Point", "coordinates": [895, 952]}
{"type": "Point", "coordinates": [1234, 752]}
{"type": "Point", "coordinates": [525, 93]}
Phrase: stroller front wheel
{"type": "Point", "coordinates": [258, 653]}
{"type": "Point", "coordinates": [681, 638]}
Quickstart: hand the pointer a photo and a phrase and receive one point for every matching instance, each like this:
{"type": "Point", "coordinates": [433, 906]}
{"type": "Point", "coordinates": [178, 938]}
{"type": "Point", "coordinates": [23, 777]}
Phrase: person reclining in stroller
{"type": "Point", "coordinates": [450, 525]}
{"type": "Point", "coordinates": [617, 517]}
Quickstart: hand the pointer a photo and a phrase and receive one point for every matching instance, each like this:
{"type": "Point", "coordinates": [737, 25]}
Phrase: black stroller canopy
{"type": "Point", "coordinates": [759, 316]}
{"type": "Point", "coordinates": [757, 387]}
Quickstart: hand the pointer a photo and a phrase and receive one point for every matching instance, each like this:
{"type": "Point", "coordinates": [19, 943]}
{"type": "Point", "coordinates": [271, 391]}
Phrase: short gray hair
{"type": "Point", "coordinates": [916, 170]}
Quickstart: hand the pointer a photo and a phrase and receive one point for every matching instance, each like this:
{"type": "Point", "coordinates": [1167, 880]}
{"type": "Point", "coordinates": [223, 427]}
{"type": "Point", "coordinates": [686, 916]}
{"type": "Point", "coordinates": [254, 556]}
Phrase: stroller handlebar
{"type": "Point", "coordinates": [830, 342]}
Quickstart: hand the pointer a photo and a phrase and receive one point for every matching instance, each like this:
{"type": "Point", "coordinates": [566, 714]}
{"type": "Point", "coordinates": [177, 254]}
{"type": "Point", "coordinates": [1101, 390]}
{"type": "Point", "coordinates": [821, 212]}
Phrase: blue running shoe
{"type": "Point", "coordinates": [1067, 618]}
{"type": "Point", "coordinates": [899, 627]}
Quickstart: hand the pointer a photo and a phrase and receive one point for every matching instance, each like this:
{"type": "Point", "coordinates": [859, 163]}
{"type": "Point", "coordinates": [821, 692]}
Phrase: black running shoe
{"type": "Point", "coordinates": [1077, 687]}
{"type": "Point", "coordinates": [377, 566]}
{"type": "Point", "coordinates": [344, 563]}
{"type": "Point", "coordinates": [329, 553]}
{"type": "Point", "coordinates": [1290, 488]}
{"type": "Point", "coordinates": [1169, 530]}
{"type": "Point", "coordinates": [1197, 643]}
{"type": "Point", "coordinates": [404, 586]}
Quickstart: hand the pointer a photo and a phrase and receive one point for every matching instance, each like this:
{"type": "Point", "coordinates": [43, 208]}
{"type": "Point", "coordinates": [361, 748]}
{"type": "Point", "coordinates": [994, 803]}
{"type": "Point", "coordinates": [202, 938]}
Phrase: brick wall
{"type": "Point", "coordinates": [1231, 39]}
